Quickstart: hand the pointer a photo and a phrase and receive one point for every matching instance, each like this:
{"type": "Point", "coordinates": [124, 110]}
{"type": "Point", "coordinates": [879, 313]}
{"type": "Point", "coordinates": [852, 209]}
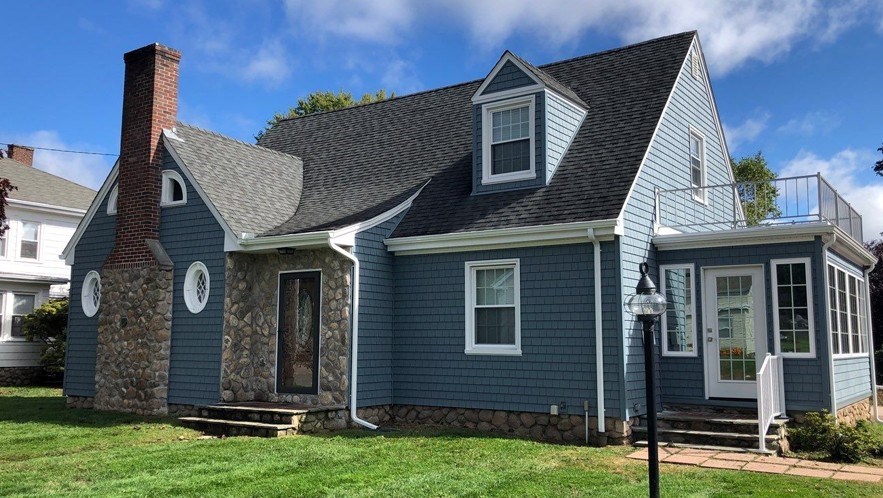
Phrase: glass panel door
{"type": "Point", "coordinates": [297, 353]}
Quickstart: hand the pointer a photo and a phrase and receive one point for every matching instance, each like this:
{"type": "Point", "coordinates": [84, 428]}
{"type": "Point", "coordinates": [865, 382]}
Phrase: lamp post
{"type": "Point", "coordinates": [646, 305]}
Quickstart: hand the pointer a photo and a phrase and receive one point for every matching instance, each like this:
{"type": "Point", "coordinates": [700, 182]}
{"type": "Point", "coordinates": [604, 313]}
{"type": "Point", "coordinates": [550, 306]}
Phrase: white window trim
{"type": "Point", "coordinates": [10, 299]}
{"type": "Point", "coordinates": [193, 304]}
{"type": "Point", "coordinates": [774, 282]}
{"type": "Point", "coordinates": [665, 352]}
{"type": "Point", "coordinates": [862, 323]}
{"type": "Point", "coordinates": [86, 296]}
{"type": "Point", "coordinates": [703, 165]}
{"type": "Point", "coordinates": [4, 254]}
{"type": "Point", "coordinates": [487, 135]}
{"type": "Point", "coordinates": [169, 175]}
{"type": "Point", "coordinates": [484, 349]}
{"type": "Point", "coordinates": [112, 200]}
{"type": "Point", "coordinates": [21, 238]}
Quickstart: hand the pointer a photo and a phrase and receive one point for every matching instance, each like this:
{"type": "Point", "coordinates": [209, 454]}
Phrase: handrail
{"type": "Point", "coordinates": [770, 396]}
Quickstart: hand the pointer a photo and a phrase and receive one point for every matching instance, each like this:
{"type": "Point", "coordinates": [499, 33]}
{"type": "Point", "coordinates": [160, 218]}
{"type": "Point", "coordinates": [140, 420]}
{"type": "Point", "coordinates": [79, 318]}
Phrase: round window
{"type": "Point", "coordinates": [91, 296]}
{"type": "Point", "coordinates": [196, 287]}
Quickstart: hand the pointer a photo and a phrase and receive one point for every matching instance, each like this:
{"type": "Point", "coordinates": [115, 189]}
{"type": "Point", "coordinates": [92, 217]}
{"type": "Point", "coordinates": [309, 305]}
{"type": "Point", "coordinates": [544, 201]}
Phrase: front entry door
{"type": "Point", "coordinates": [297, 348]}
{"type": "Point", "coordinates": [735, 330]}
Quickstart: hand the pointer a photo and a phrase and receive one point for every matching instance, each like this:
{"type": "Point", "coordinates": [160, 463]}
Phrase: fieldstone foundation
{"type": "Point", "coordinates": [860, 410]}
{"type": "Point", "coordinates": [20, 376]}
{"type": "Point", "coordinates": [83, 402]}
{"type": "Point", "coordinates": [250, 316]}
{"type": "Point", "coordinates": [134, 340]}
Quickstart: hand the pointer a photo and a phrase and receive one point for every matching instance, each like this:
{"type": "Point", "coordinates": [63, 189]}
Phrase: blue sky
{"type": "Point", "coordinates": [798, 79]}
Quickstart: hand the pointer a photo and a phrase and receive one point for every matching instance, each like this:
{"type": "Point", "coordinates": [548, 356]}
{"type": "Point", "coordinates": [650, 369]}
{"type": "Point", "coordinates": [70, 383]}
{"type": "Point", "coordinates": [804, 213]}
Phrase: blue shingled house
{"type": "Point", "coordinates": [460, 256]}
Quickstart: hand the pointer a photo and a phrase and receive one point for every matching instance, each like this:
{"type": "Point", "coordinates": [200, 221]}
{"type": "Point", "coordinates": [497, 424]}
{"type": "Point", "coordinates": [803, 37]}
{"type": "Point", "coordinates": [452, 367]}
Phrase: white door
{"type": "Point", "coordinates": [735, 330]}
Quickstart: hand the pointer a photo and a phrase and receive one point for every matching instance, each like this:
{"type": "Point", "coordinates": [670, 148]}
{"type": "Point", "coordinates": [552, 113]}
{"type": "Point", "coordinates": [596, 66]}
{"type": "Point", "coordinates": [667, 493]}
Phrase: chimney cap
{"type": "Point", "coordinates": [150, 51]}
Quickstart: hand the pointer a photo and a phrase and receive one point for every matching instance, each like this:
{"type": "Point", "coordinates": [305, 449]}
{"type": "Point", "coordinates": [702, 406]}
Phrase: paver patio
{"type": "Point", "coordinates": [751, 462]}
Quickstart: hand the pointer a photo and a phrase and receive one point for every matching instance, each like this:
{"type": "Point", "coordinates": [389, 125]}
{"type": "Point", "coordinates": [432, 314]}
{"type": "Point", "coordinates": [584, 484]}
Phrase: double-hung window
{"type": "Point", "coordinates": [22, 304]}
{"type": "Point", "coordinates": [493, 307]}
{"type": "Point", "coordinates": [678, 322]}
{"type": "Point", "coordinates": [846, 294]}
{"type": "Point", "coordinates": [30, 240]}
{"type": "Point", "coordinates": [697, 165]}
{"type": "Point", "coordinates": [792, 307]}
{"type": "Point", "coordinates": [508, 152]}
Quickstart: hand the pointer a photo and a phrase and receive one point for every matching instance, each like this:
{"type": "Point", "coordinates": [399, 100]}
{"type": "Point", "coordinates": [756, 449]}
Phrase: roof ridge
{"type": "Point", "coordinates": [617, 49]}
{"type": "Point", "coordinates": [235, 140]}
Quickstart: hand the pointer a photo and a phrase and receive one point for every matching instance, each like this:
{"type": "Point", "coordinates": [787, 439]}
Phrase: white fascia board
{"type": "Point", "coordinates": [231, 241]}
{"type": "Point", "coordinates": [502, 238]}
{"type": "Point", "coordinates": [346, 236]}
{"type": "Point", "coordinates": [309, 240]}
{"type": "Point", "coordinates": [576, 106]}
{"type": "Point", "coordinates": [507, 56]}
{"type": "Point", "coordinates": [769, 234]}
{"type": "Point", "coordinates": [47, 208]}
{"type": "Point", "coordinates": [68, 253]}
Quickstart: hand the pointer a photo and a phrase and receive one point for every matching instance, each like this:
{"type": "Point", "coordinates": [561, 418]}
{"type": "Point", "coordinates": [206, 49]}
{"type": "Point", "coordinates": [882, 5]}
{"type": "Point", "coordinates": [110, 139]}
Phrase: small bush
{"type": "Point", "coordinates": [842, 443]}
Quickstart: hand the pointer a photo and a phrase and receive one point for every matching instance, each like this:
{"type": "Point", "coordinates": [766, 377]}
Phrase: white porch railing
{"type": "Point", "coordinates": [770, 395]}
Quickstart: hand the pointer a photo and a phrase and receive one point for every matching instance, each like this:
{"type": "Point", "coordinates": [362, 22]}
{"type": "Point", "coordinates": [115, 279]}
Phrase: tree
{"type": "Point", "coordinates": [321, 101]}
{"type": "Point", "coordinates": [878, 166]}
{"type": "Point", "coordinates": [48, 324]}
{"type": "Point", "coordinates": [875, 288]}
{"type": "Point", "coordinates": [5, 189]}
{"type": "Point", "coordinates": [757, 189]}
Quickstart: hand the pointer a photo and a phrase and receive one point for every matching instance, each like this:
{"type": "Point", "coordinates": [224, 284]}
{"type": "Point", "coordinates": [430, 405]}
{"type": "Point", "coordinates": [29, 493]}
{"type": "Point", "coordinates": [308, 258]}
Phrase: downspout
{"type": "Point", "coordinates": [599, 335]}
{"type": "Point", "coordinates": [827, 293]}
{"type": "Point", "coordinates": [355, 318]}
{"type": "Point", "coordinates": [871, 355]}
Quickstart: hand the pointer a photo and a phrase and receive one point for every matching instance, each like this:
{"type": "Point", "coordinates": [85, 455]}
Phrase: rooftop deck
{"type": "Point", "coordinates": [783, 201]}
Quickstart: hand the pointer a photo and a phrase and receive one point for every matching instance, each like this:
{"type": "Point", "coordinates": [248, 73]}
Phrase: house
{"type": "Point", "coordinates": [42, 214]}
{"type": "Point", "coordinates": [459, 256]}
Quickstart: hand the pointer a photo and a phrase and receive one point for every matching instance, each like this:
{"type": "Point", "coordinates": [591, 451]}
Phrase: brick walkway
{"type": "Point", "coordinates": [761, 463]}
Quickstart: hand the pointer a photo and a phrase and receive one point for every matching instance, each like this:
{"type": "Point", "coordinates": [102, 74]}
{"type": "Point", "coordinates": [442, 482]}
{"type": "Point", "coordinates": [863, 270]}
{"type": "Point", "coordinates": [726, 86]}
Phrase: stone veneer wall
{"type": "Point", "coordinates": [250, 315]}
{"type": "Point", "coordinates": [134, 340]}
{"type": "Point", "coordinates": [860, 410]}
{"type": "Point", "coordinates": [20, 376]}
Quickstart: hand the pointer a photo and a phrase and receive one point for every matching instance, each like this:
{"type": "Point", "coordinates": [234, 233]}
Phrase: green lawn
{"type": "Point", "coordinates": [46, 449]}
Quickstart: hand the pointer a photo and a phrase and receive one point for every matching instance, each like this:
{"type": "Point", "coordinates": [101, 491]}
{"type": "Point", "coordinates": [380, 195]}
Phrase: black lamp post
{"type": "Point", "coordinates": [646, 305]}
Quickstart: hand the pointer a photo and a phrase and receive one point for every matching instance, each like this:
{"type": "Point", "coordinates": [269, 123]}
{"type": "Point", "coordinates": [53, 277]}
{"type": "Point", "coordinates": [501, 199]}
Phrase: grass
{"type": "Point", "coordinates": [46, 449]}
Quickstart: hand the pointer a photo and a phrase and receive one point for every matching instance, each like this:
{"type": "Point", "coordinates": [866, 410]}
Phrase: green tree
{"type": "Point", "coordinates": [321, 101]}
{"type": "Point", "coordinates": [878, 166]}
{"type": "Point", "coordinates": [875, 288]}
{"type": "Point", "coordinates": [48, 324]}
{"type": "Point", "coordinates": [757, 188]}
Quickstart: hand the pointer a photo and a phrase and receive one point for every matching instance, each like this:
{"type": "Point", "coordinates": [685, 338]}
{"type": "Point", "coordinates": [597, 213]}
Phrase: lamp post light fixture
{"type": "Point", "coordinates": [646, 305]}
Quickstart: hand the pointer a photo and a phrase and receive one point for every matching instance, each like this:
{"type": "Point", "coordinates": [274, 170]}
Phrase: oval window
{"type": "Point", "coordinates": [196, 287]}
{"type": "Point", "coordinates": [91, 295]}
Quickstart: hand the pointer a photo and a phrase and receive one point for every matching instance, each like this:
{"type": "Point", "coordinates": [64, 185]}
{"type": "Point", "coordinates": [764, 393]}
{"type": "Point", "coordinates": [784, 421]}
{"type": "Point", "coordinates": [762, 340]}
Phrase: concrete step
{"type": "Point", "coordinates": [223, 427]}
{"type": "Point", "coordinates": [710, 438]}
{"type": "Point", "coordinates": [714, 423]}
{"type": "Point", "coordinates": [269, 415]}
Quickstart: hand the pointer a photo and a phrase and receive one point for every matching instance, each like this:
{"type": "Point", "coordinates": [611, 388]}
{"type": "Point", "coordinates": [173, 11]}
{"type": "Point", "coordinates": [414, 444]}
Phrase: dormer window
{"type": "Point", "coordinates": [508, 132]}
{"type": "Point", "coordinates": [173, 191]}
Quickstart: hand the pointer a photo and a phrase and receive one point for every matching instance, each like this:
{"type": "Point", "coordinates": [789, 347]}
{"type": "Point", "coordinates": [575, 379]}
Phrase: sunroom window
{"type": "Point", "coordinates": [792, 303]}
{"type": "Point", "coordinates": [847, 312]}
{"type": "Point", "coordinates": [509, 141]}
{"type": "Point", "coordinates": [493, 307]}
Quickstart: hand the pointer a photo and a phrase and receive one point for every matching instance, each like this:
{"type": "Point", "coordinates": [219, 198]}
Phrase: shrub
{"type": "Point", "coordinates": [816, 433]}
{"type": "Point", "coordinates": [842, 443]}
{"type": "Point", "coordinates": [853, 443]}
{"type": "Point", "coordinates": [48, 324]}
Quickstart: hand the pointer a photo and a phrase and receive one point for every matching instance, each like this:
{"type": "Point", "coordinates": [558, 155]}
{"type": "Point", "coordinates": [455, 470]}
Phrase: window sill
{"type": "Point", "coordinates": [507, 178]}
{"type": "Point", "coordinates": [798, 356]}
{"type": "Point", "coordinates": [173, 204]}
{"type": "Point", "coordinates": [493, 352]}
{"type": "Point", "coordinates": [684, 354]}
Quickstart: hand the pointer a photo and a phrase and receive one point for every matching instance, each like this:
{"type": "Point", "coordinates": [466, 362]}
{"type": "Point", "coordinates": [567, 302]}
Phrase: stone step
{"type": "Point", "coordinates": [711, 438]}
{"type": "Point", "coordinates": [713, 423]}
{"type": "Point", "coordinates": [269, 415]}
{"type": "Point", "coordinates": [222, 427]}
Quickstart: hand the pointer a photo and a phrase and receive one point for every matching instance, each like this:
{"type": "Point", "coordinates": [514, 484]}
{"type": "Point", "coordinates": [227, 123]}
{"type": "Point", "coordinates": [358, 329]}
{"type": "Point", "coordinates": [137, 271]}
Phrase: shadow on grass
{"type": "Point", "coordinates": [52, 410]}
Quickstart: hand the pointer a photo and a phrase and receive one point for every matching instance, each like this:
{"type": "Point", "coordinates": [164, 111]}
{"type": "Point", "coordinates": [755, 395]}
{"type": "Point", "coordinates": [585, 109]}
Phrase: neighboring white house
{"type": "Point", "coordinates": [42, 215]}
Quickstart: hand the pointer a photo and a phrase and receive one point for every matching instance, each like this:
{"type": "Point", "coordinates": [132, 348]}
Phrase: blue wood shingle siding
{"type": "Point", "coordinates": [507, 78]}
{"type": "Point", "coordinates": [563, 120]}
{"type": "Point", "coordinates": [191, 233]}
{"type": "Point", "coordinates": [89, 254]}
{"type": "Point", "coordinates": [806, 379]}
{"type": "Point", "coordinates": [539, 151]}
{"type": "Point", "coordinates": [376, 305]}
{"type": "Point", "coordinates": [852, 376]}
{"type": "Point", "coordinates": [667, 166]}
{"type": "Point", "coordinates": [557, 333]}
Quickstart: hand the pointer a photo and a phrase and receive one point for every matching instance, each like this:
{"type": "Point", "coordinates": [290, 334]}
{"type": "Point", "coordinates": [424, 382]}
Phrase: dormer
{"type": "Point", "coordinates": [523, 122]}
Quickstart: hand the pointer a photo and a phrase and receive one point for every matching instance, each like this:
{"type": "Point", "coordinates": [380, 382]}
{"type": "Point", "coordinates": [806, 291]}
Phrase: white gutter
{"type": "Point", "coordinates": [829, 243]}
{"type": "Point", "coordinates": [871, 355]}
{"type": "Point", "coordinates": [355, 320]}
{"type": "Point", "coordinates": [599, 335]}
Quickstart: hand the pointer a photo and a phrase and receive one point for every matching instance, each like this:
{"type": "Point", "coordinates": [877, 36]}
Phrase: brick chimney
{"type": "Point", "coordinates": [20, 153]}
{"type": "Point", "coordinates": [150, 104]}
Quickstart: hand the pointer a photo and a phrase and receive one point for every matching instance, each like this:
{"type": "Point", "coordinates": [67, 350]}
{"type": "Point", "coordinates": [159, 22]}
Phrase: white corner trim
{"type": "Point", "coordinates": [346, 236]}
{"type": "Point", "coordinates": [774, 284]}
{"type": "Point", "coordinates": [68, 253]}
{"type": "Point", "coordinates": [542, 235]}
{"type": "Point", "coordinates": [477, 97]}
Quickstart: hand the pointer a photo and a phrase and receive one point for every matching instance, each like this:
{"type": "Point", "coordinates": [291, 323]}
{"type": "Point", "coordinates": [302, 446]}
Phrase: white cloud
{"type": "Point", "coordinates": [85, 169]}
{"type": "Point", "coordinates": [269, 65]}
{"type": "Point", "coordinates": [400, 76]}
{"type": "Point", "coordinates": [811, 123]}
{"type": "Point", "coordinates": [746, 132]}
{"type": "Point", "coordinates": [733, 33]}
{"type": "Point", "coordinates": [844, 171]}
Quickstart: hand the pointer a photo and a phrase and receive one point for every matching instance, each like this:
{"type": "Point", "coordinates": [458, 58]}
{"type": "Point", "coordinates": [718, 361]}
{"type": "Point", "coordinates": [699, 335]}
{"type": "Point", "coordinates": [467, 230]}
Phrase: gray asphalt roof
{"type": "Point", "coordinates": [550, 82]}
{"type": "Point", "coordinates": [253, 188]}
{"type": "Point", "coordinates": [360, 161]}
{"type": "Point", "coordinates": [35, 185]}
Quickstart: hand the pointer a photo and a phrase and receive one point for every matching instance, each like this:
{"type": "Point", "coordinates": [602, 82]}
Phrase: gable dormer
{"type": "Point", "coordinates": [523, 122]}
